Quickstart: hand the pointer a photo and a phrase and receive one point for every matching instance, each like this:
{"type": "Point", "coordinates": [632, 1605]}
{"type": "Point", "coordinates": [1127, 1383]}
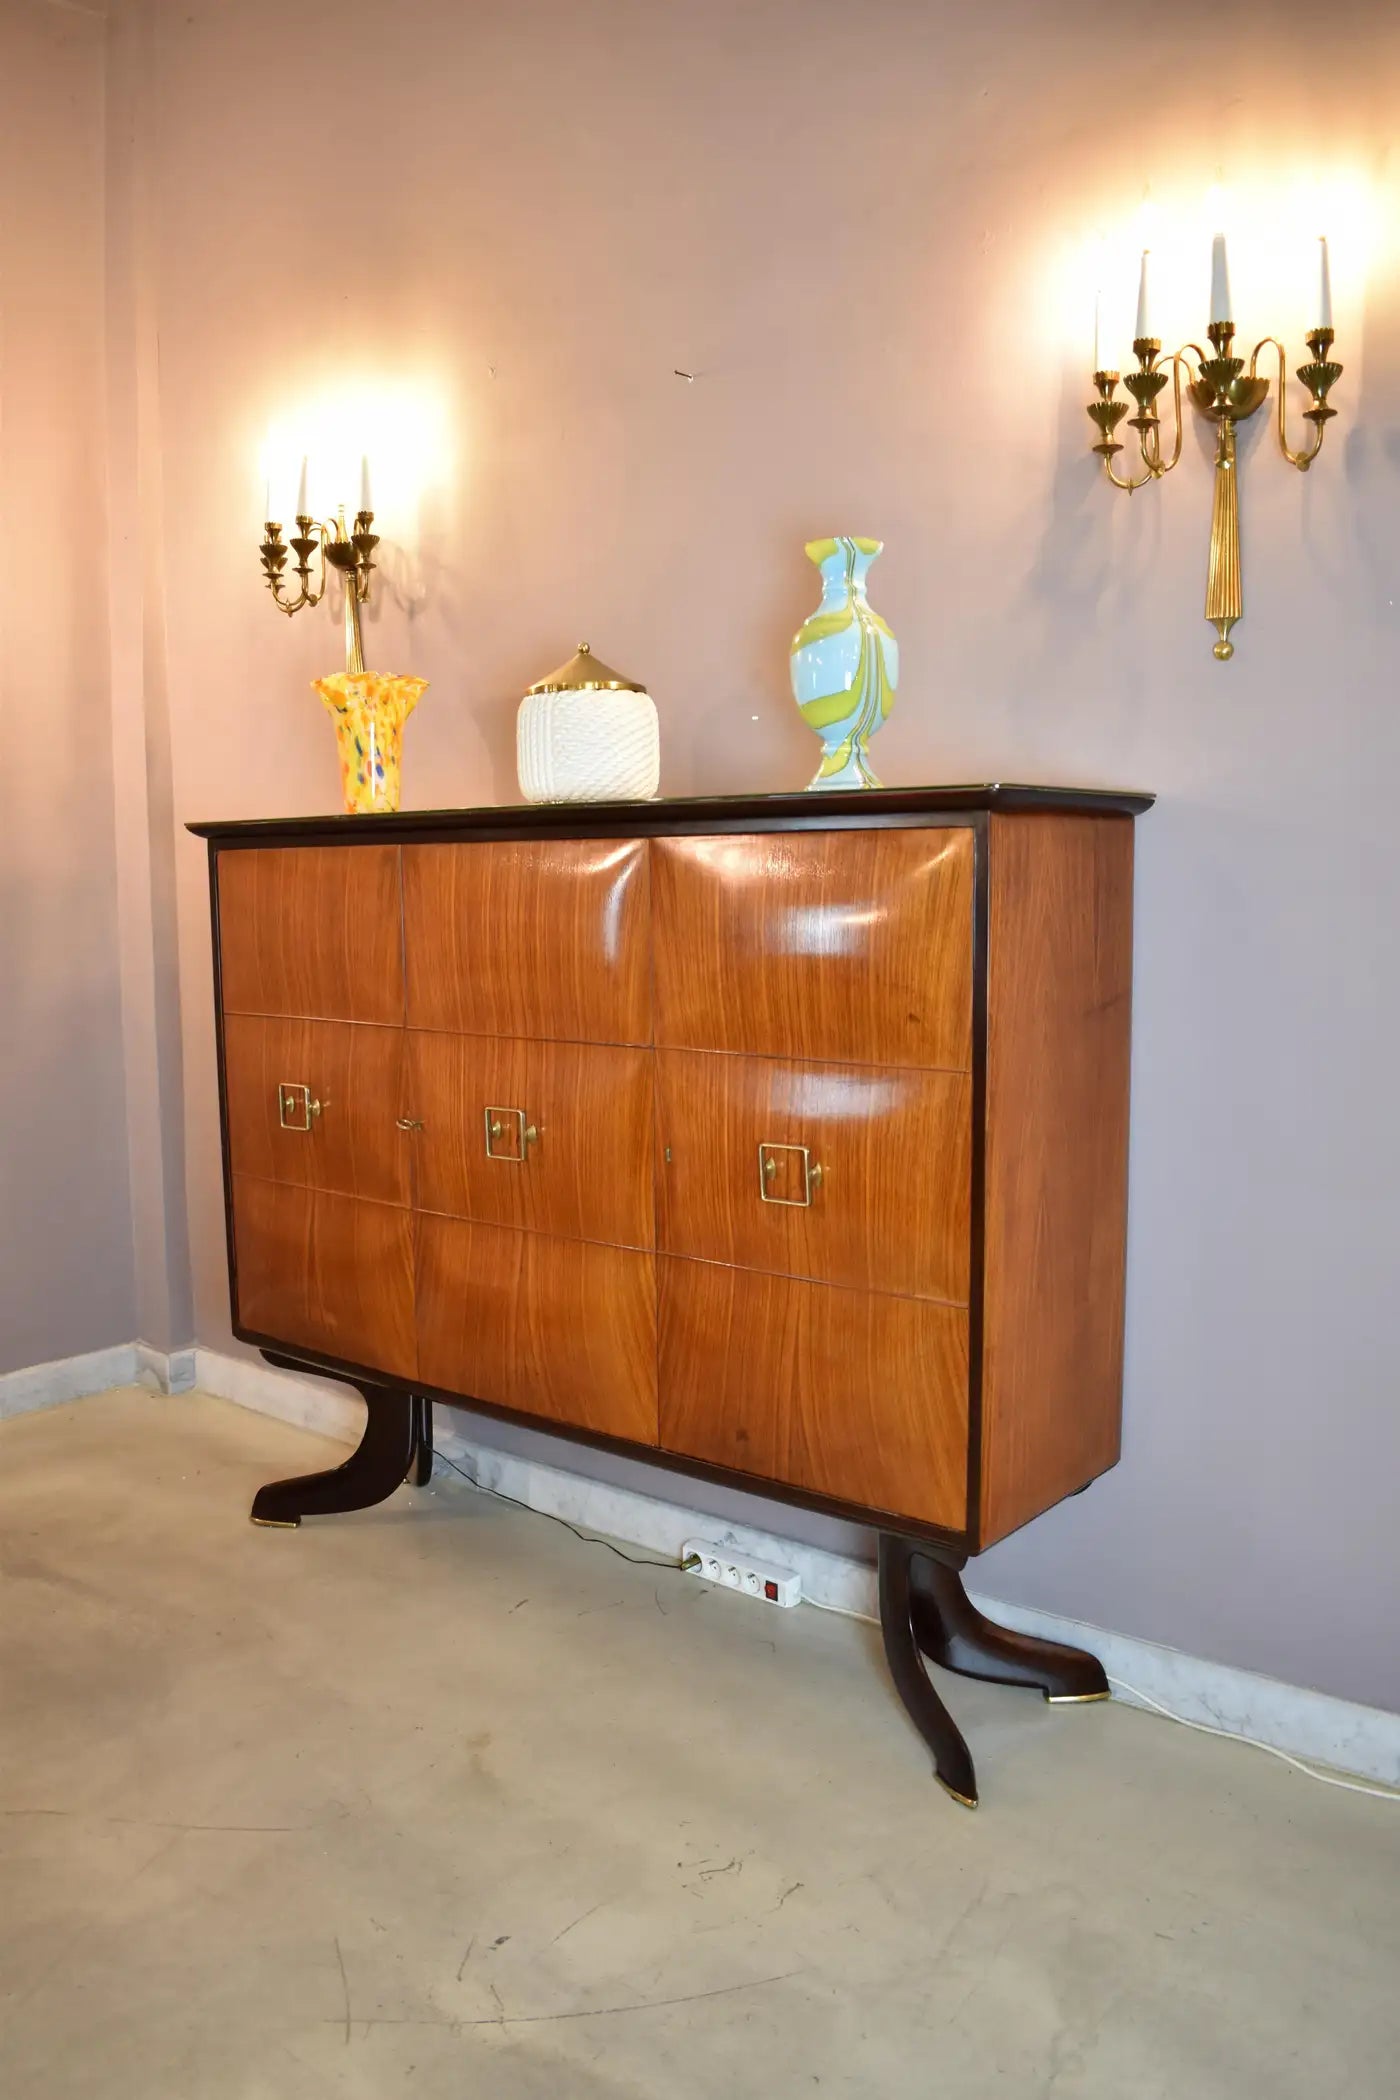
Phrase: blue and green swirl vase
{"type": "Point", "coordinates": [845, 664]}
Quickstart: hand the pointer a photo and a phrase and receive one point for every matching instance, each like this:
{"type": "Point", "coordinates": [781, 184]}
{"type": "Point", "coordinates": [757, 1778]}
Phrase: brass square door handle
{"type": "Point", "coordinates": [297, 1107]}
{"type": "Point", "coordinates": [503, 1124]}
{"type": "Point", "coordinates": [407, 1123]}
{"type": "Point", "coordinates": [812, 1175]}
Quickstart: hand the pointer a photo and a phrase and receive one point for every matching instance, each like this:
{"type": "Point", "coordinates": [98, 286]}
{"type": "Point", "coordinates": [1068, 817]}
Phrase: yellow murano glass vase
{"type": "Point", "coordinates": [369, 709]}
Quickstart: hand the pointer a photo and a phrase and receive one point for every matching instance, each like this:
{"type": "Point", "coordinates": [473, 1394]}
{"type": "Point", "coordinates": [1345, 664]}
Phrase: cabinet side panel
{"type": "Point", "coordinates": [1059, 976]}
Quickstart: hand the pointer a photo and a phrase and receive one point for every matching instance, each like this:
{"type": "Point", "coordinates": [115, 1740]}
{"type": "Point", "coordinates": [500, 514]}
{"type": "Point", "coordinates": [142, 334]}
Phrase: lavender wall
{"type": "Point", "coordinates": [865, 231]}
{"type": "Point", "coordinates": [65, 1223]}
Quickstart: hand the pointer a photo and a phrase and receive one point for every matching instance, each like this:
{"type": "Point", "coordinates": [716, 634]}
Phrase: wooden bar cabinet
{"type": "Point", "coordinates": [781, 1140]}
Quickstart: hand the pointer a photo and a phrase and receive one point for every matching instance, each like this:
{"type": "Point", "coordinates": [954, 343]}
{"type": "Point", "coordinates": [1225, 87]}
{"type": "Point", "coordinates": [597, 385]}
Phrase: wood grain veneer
{"type": "Point", "coordinates": [835, 1391]}
{"type": "Point", "coordinates": [355, 1069]}
{"type": "Point", "coordinates": [559, 1328]}
{"type": "Point", "coordinates": [311, 931]}
{"type": "Point", "coordinates": [588, 1175]}
{"type": "Point", "coordinates": [530, 937]}
{"type": "Point", "coordinates": [1059, 974]}
{"type": "Point", "coordinates": [890, 1212]}
{"type": "Point", "coordinates": [850, 945]}
{"type": "Point", "coordinates": [327, 1272]}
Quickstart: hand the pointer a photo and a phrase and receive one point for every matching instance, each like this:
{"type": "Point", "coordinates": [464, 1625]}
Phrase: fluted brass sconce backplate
{"type": "Point", "coordinates": [1225, 394]}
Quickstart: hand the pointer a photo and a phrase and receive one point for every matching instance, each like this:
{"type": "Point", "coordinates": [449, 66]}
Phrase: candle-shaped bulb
{"type": "Point", "coordinates": [1219, 281]}
{"type": "Point", "coordinates": [302, 509]}
{"type": "Point", "coordinates": [365, 499]}
{"type": "Point", "coordinates": [1143, 330]}
{"type": "Point", "coordinates": [267, 499]}
{"type": "Point", "coordinates": [1324, 293]}
{"type": "Point", "coordinates": [1098, 331]}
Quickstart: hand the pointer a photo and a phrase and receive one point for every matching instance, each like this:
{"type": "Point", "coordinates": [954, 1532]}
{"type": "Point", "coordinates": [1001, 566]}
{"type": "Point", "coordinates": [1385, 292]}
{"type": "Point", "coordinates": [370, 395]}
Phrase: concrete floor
{"type": "Point", "coordinates": [436, 1800]}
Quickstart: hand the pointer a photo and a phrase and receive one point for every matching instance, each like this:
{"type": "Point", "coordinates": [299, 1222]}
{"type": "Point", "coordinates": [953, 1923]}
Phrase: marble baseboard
{"type": "Point", "coordinates": [70, 1378]}
{"type": "Point", "coordinates": [165, 1371]}
{"type": "Point", "coordinates": [1351, 1738]}
{"type": "Point", "coordinates": [76, 1377]}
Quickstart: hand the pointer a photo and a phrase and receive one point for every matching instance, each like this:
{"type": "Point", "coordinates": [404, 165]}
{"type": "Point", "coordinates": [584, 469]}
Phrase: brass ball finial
{"type": "Point", "coordinates": [1224, 650]}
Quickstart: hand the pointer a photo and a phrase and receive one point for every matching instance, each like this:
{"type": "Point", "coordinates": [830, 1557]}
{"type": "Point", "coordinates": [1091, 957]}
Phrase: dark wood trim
{"type": "Point", "coordinates": [858, 810]}
{"type": "Point", "coordinates": [981, 906]}
{"type": "Point", "coordinates": [297, 1357]}
{"type": "Point", "coordinates": [225, 1148]}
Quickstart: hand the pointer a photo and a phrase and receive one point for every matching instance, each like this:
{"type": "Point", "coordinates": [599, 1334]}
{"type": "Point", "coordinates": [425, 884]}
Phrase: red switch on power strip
{"type": "Point", "coordinates": [770, 1591]}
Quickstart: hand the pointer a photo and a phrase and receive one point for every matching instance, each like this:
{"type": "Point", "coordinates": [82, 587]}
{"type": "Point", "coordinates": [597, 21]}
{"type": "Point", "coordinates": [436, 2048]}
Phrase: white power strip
{"type": "Point", "coordinates": [736, 1571]}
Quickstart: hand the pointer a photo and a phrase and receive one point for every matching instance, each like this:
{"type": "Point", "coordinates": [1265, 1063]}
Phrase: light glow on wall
{"type": "Point", "coordinates": [400, 426]}
{"type": "Point", "coordinates": [1271, 222]}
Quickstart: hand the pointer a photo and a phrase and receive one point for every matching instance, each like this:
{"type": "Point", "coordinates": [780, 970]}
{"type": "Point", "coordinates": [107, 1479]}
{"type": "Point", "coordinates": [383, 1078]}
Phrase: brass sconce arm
{"type": "Point", "coordinates": [1144, 385]}
{"type": "Point", "coordinates": [1319, 376]}
{"type": "Point", "coordinates": [273, 555]}
{"type": "Point", "coordinates": [352, 553]}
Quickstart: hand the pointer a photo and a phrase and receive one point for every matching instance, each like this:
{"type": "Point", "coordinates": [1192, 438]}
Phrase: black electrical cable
{"type": "Point", "coordinates": [634, 1560]}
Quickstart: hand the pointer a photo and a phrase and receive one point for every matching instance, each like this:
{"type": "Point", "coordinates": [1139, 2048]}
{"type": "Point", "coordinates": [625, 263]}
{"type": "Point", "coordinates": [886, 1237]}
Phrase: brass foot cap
{"type": "Point", "coordinates": [275, 1523]}
{"type": "Point", "coordinates": [1077, 1698]}
{"type": "Point", "coordinates": [963, 1800]}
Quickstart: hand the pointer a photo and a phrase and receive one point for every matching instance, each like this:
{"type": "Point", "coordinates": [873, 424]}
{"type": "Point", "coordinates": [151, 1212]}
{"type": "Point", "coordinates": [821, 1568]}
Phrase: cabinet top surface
{"type": "Point", "coordinates": [796, 811]}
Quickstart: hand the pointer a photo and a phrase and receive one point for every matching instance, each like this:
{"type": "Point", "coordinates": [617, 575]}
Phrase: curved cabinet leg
{"type": "Point", "coordinates": [898, 1605]}
{"type": "Point", "coordinates": [953, 1633]}
{"type": "Point", "coordinates": [380, 1463]}
{"type": "Point", "coordinates": [420, 1464]}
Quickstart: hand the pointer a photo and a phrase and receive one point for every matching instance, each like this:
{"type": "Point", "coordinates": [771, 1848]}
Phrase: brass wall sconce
{"type": "Point", "coordinates": [1224, 393]}
{"type": "Point", "coordinates": [352, 553]}
{"type": "Point", "coordinates": [368, 709]}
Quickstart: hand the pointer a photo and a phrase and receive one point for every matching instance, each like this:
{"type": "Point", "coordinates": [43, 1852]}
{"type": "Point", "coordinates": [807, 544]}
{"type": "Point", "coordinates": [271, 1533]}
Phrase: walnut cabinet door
{"type": "Point", "coordinates": [850, 945]}
{"type": "Point", "coordinates": [320, 1184]}
{"type": "Point", "coordinates": [813, 1010]}
{"type": "Point", "coordinates": [530, 1078]}
{"type": "Point", "coordinates": [850, 1174]}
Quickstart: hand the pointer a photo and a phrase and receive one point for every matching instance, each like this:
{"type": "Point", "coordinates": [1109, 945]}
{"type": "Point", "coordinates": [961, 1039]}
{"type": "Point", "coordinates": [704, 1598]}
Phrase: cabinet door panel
{"type": "Point", "coordinates": [859, 1397]}
{"type": "Point", "coordinates": [530, 937]}
{"type": "Point", "coordinates": [354, 1071]}
{"type": "Point", "coordinates": [587, 1174]}
{"type": "Point", "coordinates": [853, 945]}
{"type": "Point", "coordinates": [887, 1172]}
{"type": "Point", "coordinates": [558, 1328]}
{"type": "Point", "coordinates": [326, 1272]}
{"type": "Point", "coordinates": [311, 930]}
